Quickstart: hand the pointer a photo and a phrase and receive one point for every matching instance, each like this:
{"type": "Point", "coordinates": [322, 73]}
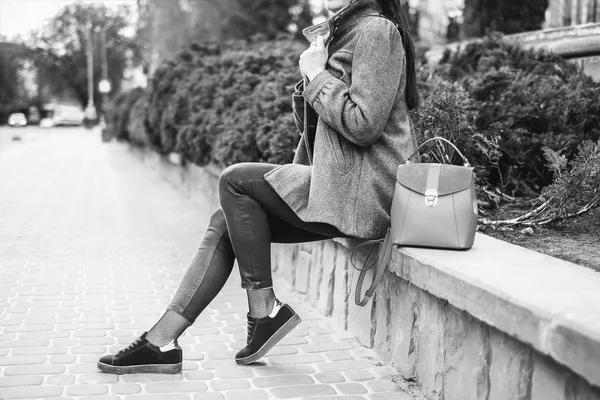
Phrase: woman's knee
{"type": "Point", "coordinates": [231, 177]}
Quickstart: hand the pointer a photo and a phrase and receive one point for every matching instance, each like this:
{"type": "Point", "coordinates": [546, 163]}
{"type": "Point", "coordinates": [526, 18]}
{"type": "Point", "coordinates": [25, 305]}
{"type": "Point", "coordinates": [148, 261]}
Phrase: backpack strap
{"type": "Point", "coordinates": [385, 252]}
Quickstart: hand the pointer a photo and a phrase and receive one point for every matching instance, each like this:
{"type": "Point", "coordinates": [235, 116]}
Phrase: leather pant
{"type": "Point", "coordinates": [251, 217]}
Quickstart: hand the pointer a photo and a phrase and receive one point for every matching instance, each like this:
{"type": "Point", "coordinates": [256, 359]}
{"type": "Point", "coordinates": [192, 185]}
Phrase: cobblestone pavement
{"type": "Point", "coordinates": [92, 247]}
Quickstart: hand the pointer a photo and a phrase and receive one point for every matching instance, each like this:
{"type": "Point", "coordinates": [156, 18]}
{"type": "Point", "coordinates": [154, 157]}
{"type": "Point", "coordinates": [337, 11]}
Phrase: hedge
{"type": "Point", "coordinates": [503, 105]}
{"type": "Point", "coordinates": [525, 101]}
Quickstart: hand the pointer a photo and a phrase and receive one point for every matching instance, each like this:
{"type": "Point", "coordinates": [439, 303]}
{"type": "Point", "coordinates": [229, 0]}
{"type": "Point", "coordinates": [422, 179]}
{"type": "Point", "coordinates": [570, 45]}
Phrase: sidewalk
{"type": "Point", "coordinates": [92, 248]}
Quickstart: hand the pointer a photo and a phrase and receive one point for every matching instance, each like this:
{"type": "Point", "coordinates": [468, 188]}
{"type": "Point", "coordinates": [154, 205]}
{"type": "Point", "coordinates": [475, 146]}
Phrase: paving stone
{"type": "Point", "coordinates": [25, 380]}
{"type": "Point", "coordinates": [88, 349]}
{"type": "Point", "coordinates": [157, 397]}
{"type": "Point", "coordinates": [39, 351]}
{"type": "Point", "coordinates": [384, 371]}
{"type": "Point", "coordinates": [41, 392]}
{"type": "Point", "coordinates": [60, 380]}
{"type": "Point", "coordinates": [208, 396]}
{"type": "Point", "coordinates": [172, 387]}
{"type": "Point", "coordinates": [338, 355]}
{"type": "Point", "coordinates": [246, 394]}
{"type": "Point", "coordinates": [22, 360]}
{"type": "Point", "coordinates": [233, 373]}
{"type": "Point", "coordinates": [91, 334]}
{"type": "Point", "coordinates": [34, 370]}
{"type": "Point", "coordinates": [323, 347]}
{"type": "Point", "coordinates": [281, 380]}
{"type": "Point", "coordinates": [282, 350]}
{"type": "Point", "coordinates": [24, 343]}
{"type": "Point", "coordinates": [82, 368]}
{"type": "Point", "coordinates": [213, 346]}
{"type": "Point", "coordinates": [228, 384]}
{"type": "Point", "coordinates": [381, 385]}
{"type": "Point", "coordinates": [143, 378]}
{"type": "Point", "coordinates": [358, 375]}
{"type": "Point", "coordinates": [125, 388]}
{"type": "Point", "coordinates": [321, 339]}
{"type": "Point", "coordinates": [329, 377]}
{"type": "Point", "coordinates": [217, 355]}
{"type": "Point", "coordinates": [190, 365]}
{"type": "Point", "coordinates": [88, 358]}
{"type": "Point", "coordinates": [295, 359]}
{"type": "Point", "coordinates": [337, 366]}
{"type": "Point", "coordinates": [285, 370]}
{"type": "Point", "coordinates": [390, 396]}
{"type": "Point", "coordinates": [351, 388]}
{"type": "Point", "coordinates": [218, 364]}
{"type": "Point", "coordinates": [86, 390]}
{"type": "Point", "coordinates": [288, 392]}
{"type": "Point", "coordinates": [96, 341]}
{"type": "Point", "coordinates": [98, 378]}
{"type": "Point", "coordinates": [68, 342]}
{"type": "Point", "coordinates": [63, 359]}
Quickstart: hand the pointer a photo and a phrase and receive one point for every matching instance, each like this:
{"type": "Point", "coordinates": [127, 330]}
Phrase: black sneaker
{"type": "Point", "coordinates": [264, 333]}
{"type": "Point", "coordinates": [141, 356]}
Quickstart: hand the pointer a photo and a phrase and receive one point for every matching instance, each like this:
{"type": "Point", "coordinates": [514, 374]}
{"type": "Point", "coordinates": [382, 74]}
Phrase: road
{"type": "Point", "coordinates": [92, 248]}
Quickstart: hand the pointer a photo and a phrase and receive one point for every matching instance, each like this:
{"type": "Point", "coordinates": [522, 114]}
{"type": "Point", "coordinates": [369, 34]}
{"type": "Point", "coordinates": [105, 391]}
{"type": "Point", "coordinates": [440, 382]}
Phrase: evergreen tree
{"type": "Point", "coordinates": [268, 17]}
{"type": "Point", "coordinates": [506, 16]}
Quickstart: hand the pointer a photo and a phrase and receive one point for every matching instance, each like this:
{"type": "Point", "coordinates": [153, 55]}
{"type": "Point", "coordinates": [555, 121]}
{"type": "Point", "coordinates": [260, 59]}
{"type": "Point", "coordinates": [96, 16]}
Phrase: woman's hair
{"type": "Point", "coordinates": [393, 10]}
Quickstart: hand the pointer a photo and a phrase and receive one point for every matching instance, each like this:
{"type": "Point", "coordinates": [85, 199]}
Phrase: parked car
{"type": "Point", "coordinates": [46, 123]}
{"type": "Point", "coordinates": [68, 115]}
{"type": "Point", "coordinates": [17, 119]}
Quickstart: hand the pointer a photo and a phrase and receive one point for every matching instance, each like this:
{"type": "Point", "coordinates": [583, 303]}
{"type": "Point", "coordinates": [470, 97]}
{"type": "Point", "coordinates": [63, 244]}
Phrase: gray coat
{"type": "Point", "coordinates": [363, 131]}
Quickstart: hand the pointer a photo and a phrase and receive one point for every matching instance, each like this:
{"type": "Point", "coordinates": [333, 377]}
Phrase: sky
{"type": "Point", "coordinates": [21, 16]}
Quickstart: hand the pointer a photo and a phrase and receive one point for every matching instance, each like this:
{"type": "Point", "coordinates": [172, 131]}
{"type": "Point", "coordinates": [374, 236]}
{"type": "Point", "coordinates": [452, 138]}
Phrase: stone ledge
{"type": "Point", "coordinates": [551, 304]}
{"type": "Point", "coordinates": [569, 42]}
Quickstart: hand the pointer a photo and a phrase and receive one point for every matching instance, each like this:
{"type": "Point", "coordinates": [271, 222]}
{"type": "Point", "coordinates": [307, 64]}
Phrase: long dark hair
{"type": "Point", "coordinates": [393, 10]}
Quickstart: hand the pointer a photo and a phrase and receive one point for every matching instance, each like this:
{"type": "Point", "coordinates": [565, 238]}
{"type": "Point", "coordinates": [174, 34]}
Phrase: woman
{"type": "Point", "coordinates": [352, 107]}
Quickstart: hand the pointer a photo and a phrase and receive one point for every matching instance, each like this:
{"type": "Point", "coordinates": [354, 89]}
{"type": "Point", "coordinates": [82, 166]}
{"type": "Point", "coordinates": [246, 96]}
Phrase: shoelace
{"type": "Point", "coordinates": [251, 324]}
{"type": "Point", "coordinates": [135, 343]}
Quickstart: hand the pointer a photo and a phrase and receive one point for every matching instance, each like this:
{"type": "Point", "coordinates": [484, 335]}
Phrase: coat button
{"type": "Point", "coordinates": [336, 21]}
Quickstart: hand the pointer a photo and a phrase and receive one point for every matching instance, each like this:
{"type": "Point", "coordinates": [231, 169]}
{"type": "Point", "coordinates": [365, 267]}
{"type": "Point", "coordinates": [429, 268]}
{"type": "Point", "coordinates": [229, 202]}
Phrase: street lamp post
{"type": "Point", "coordinates": [90, 110]}
{"type": "Point", "coordinates": [104, 85]}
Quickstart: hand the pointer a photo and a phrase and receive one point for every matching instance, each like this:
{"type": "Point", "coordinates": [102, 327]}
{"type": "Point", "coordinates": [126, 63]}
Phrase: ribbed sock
{"type": "Point", "coordinates": [261, 302]}
{"type": "Point", "coordinates": [169, 327]}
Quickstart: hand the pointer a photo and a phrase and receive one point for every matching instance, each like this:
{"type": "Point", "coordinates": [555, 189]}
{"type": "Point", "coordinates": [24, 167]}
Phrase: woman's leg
{"type": "Point", "coordinates": [207, 273]}
{"type": "Point", "coordinates": [213, 262]}
{"type": "Point", "coordinates": [251, 205]}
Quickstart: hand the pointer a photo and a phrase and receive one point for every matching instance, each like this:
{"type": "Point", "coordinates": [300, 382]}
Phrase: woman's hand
{"type": "Point", "coordinates": [313, 60]}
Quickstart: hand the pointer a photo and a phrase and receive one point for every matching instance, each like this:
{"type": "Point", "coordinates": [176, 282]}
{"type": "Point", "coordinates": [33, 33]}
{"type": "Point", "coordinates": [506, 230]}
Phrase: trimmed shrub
{"type": "Point", "coordinates": [524, 101]}
{"type": "Point", "coordinates": [136, 126]}
{"type": "Point", "coordinates": [118, 113]}
{"type": "Point", "coordinates": [226, 103]}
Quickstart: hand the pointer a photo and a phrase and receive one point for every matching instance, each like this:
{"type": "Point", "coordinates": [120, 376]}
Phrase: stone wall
{"type": "Point", "coordinates": [450, 353]}
{"type": "Point", "coordinates": [495, 323]}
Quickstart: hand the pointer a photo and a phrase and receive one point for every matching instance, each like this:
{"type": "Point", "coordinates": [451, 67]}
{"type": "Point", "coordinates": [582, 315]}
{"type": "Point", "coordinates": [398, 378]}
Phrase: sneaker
{"type": "Point", "coordinates": [264, 333]}
{"type": "Point", "coordinates": [141, 356]}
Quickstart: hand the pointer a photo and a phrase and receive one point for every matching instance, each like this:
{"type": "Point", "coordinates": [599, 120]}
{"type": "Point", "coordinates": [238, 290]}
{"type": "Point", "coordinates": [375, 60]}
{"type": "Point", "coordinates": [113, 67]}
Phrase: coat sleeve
{"type": "Point", "coordinates": [360, 111]}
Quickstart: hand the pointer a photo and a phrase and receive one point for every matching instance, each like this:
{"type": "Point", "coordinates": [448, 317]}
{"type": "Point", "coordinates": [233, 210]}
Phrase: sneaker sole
{"type": "Point", "coordinates": [273, 340]}
{"type": "Point", "coordinates": [140, 369]}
